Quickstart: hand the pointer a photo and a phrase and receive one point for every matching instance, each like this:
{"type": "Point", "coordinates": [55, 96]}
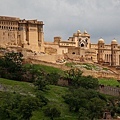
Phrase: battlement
{"type": "Point", "coordinates": [9, 18]}
{"type": "Point", "coordinates": [6, 18]}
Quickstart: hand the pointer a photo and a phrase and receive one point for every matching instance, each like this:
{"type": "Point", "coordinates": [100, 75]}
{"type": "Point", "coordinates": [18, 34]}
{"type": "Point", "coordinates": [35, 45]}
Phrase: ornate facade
{"type": "Point", "coordinates": [79, 44]}
{"type": "Point", "coordinates": [108, 53]}
{"type": "Point", "coordinates": [29, 34]}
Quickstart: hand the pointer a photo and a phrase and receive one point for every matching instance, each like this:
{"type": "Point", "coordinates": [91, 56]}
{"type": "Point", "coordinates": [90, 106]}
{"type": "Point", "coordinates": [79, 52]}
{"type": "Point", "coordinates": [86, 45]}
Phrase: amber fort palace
{"type": "Point", "coordinates": [29, 34]}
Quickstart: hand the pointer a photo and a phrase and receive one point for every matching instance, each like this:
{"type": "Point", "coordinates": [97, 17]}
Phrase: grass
{"type": "Point", "coordinates": [48, 69]}
{"type": "Point", "coordinates": [54, 94]}
{"type": "Point", "coordinates": [105, 69]}
{"type": "Point", "coordinates": [16, 86]}
{"type": "Point", "coordinates": [109, 82]}
{"type": "Point", "coordinates": [70, 64]}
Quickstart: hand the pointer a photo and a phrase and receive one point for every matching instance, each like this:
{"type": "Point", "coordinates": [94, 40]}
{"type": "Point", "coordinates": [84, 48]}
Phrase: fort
{"type": "Point", "coordinates": [29, 35]}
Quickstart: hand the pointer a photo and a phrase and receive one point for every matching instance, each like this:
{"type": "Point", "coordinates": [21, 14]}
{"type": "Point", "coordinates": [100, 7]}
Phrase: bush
{"type": "Point", "coordinates": [18, 107]}
{"type": "Point", "coordinates": [52, 112]}
{"type": "Point", "coordinates": [11, 66]}
{"type": "Point", "coordinates": [53, 78]}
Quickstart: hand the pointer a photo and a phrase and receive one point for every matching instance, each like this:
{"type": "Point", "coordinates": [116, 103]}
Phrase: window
{"type": "Point", "coordinates": [73, 53]}
{"type": "Point", "coordinates": [82, 45]}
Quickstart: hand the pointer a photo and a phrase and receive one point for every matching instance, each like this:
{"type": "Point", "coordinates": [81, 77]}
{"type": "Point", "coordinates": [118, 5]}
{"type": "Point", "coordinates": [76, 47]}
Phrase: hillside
{"type": "Point", "coordinates": [54, 95]}
{"type": "Point", "coordinates": [95, 70]}
{"type": "Point", "coordinates": [40, 96]}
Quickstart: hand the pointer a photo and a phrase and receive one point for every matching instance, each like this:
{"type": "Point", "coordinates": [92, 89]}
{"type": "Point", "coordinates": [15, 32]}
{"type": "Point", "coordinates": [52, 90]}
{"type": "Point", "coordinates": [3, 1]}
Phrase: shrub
{"type": "Point", "coordinates": [52, 112]}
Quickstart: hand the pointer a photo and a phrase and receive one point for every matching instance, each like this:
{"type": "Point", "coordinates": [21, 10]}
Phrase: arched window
{"type": "Point", "coordinates": [82, 45]}
{"type": "Point", "coordinates": [73, 53]}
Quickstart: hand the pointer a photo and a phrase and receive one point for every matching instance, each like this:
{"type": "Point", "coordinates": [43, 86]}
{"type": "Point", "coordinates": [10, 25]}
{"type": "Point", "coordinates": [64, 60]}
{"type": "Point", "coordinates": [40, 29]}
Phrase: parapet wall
{"type": "Point", "coordinates": [46, 58]}
{"type": "Point", "coordinates": [114, 91]}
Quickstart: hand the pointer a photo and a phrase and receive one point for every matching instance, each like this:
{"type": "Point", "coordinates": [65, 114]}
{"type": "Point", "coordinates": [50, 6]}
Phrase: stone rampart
{"type": "Point", "coordinates": [46, 58]}
{"type": "Point", "coordinates": [36, 61]}
{"type": "Point", "coordinates": [114, 91]}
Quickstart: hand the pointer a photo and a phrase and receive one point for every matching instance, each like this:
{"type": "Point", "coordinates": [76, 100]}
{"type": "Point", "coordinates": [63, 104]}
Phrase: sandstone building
{"type": "Point", "coordinates": [79, 44]}
{"type": "Point", "coordinates": [24, 33]}
{"type": "Point", "coordinates": [29, 34]}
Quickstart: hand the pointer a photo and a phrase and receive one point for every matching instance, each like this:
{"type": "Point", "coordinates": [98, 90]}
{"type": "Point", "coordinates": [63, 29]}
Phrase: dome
{"type": "Point", "coordinates": [75, 35]}
{"type": "Point", "coordinates": [100, 40]}
{"type": "Point", "coordinates": [114, 41]}
{"type": "Point", "coordinates": [85, 32]}
{"type": "Point", "coordinates": [78, 31]}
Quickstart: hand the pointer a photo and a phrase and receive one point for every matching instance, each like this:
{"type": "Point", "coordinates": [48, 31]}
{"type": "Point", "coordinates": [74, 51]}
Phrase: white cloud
{"type": "Point", "coordinates": [63, 17]}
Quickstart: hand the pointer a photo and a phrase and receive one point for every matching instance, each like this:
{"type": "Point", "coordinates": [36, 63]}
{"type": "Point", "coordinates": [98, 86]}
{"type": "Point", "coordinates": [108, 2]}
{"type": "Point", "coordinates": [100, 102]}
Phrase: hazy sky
{"type": "Point", "coordinates": [100, 18]}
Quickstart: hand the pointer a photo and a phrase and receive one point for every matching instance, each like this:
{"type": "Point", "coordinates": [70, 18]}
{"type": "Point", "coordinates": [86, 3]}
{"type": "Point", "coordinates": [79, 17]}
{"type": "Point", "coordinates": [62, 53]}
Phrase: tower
{"type": "Point", "coordinates": [22, 33]}
{"type": "Point", "coordinates": [114, 52]}
{"type": "Point", "coordinates": [100, 56]}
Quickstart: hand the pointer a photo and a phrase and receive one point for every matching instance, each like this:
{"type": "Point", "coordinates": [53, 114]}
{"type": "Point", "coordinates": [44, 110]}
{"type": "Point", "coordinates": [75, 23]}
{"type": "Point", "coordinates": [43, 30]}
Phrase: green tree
{"type": "Point", "coordinates": [42, 98]}
{"type": "Point", "coordinates": [27, 106]}
{"type": "Point", "coordinates": [73, 75]}
{"type": "Point", "coordinates": [11, 66]}
{"type": "Point", "coordinates": [88, 82]}
{"type": "Point", "coordinates": [83, 114]}
{"type": "Point", "coordinates": [96, 108]}
{"type": "Point", "coordinates": [89, 99]}
{"type": "Point", "coordinates": [76, 98]}
{"type": "Point", "coordinates": [53, 78]}
{"type": "Point", "coordinates": [9, 109]}
{"type": "Point", "coordinates": [32, 73]}
{"type": "Point", "coordinates": [52, 112]}
{"type": "Point", "coordinates": [75, 79]}
{"type": "Point", "coordinates": [40, 83]}
{"type": "Point", "coordinates": [18, 107]}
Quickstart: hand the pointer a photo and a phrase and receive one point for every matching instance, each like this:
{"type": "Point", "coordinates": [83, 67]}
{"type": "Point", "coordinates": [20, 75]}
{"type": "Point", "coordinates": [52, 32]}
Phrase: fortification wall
{"type": "Point", "coordinates": [35, 61]}
{"type": "Point", "coordinates": [46, 58]}
{"type": "Point", "coordinates": [109, 90]}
